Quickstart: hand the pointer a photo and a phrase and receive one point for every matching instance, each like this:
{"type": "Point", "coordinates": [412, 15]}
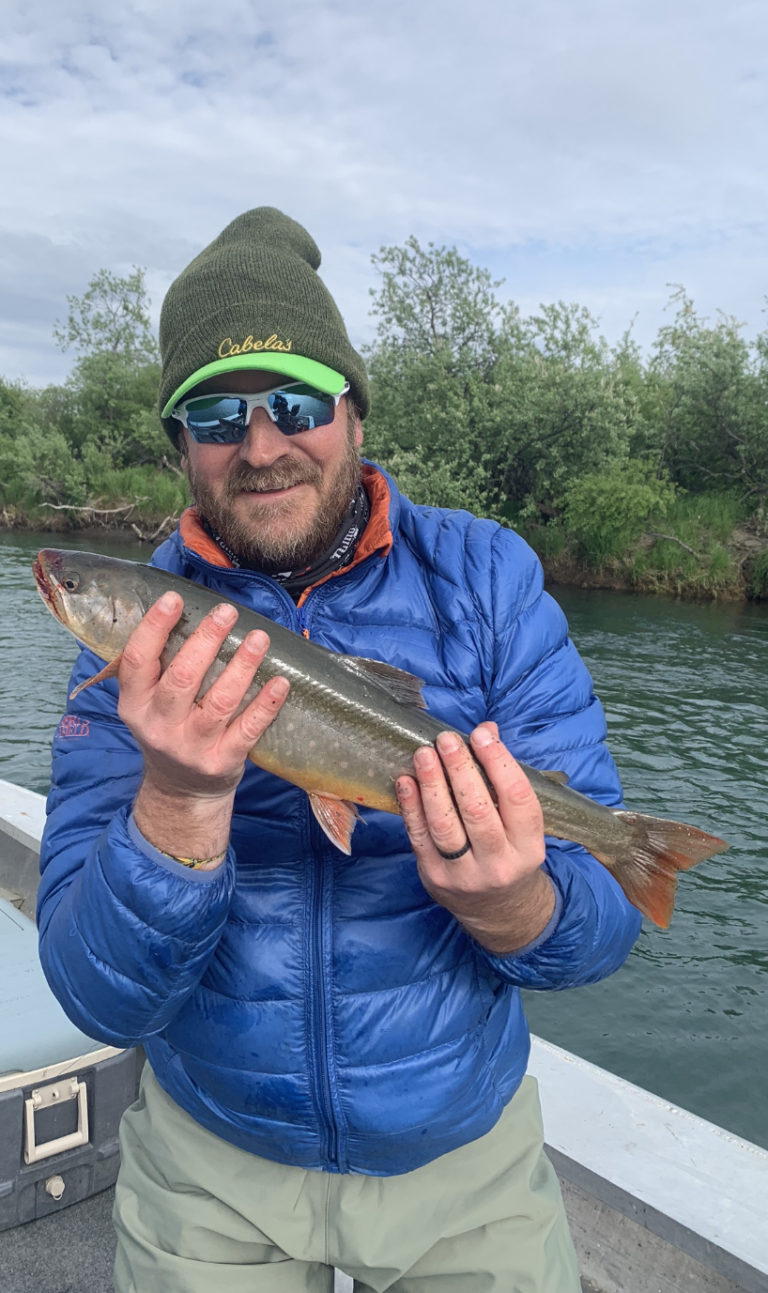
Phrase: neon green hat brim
{"type": "Point", "coordinates": [297, 366]}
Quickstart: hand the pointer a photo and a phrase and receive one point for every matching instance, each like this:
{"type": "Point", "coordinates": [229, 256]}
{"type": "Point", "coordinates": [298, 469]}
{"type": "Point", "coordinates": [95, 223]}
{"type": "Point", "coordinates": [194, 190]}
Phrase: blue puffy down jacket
{"type": "Point", "coordinates": [316, 1009]}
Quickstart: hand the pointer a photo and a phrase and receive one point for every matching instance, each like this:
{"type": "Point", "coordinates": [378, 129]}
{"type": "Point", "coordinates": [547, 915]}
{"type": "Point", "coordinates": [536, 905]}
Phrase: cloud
{"type": "Point", "coordinates": [595, 151]}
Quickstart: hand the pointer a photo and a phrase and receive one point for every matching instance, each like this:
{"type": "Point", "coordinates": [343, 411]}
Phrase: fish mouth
{"type": "Point", "coordinates": [47, 584]}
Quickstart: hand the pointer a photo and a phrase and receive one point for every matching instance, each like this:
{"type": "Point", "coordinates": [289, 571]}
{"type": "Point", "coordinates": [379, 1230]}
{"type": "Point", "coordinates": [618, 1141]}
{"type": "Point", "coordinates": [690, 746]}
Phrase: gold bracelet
{"type": "Point", "coordinates": [195, 863]}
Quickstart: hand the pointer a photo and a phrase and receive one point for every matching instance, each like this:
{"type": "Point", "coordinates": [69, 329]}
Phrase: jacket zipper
{"type": "Point", "coordinates": [320, 895]}
{"type": "Point", "coordinates": [319, 1034]}
{"type": "Point", "coordinates": [320, 883]}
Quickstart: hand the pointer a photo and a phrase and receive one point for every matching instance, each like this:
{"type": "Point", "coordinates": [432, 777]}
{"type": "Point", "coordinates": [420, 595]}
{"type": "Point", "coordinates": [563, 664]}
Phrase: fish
{"type": "Point", "coordinates": [350, 725]}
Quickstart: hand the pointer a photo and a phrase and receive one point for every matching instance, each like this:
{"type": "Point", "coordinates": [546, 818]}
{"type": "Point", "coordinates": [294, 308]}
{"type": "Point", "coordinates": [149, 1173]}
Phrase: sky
{"type": "Point", "coordinates": [594, 151]}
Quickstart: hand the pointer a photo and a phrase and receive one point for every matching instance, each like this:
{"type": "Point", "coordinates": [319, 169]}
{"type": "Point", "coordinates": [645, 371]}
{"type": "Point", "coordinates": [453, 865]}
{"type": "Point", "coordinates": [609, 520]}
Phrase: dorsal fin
{"type": "Point", "coordinates": [401, 686]}
{"type": "Point", "coordinates": [561, 778]}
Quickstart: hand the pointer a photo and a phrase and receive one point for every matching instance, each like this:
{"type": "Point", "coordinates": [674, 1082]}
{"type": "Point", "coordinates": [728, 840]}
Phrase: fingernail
{"type": "Point", "coordinates": [404, 789]}
{"type": "Point", "coordinates": [224, 613]}
{"type": "Point", "coordinates": [168, 601]}
{"type": "Point", "coordinates": [482, 736]}
{"type": "Point", "coordinates": [279, 686]}
{"type": "Point", "coordinates": [448, 743]}
{"type": "Point", "coordinates": [424, 759]}
{"type": "Point", "coordinates": [257, 640]}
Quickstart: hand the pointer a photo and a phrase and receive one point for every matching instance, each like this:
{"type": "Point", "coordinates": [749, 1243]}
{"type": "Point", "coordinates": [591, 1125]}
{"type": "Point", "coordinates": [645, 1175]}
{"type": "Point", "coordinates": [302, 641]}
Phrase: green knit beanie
{"type": "Point", "coordinates": [253, 299]}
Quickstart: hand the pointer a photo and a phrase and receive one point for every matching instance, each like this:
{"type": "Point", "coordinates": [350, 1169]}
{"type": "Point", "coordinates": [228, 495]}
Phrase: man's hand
{"type": "Point", "coordinates": [194, 752]}
{"type": "Point", "coordinates": [493, 884]}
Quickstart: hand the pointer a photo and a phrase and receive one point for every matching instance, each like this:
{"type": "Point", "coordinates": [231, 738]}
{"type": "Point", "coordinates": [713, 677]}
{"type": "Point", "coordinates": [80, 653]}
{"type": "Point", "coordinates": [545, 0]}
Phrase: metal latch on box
{"type": "Point", "coordinates": [44, 1097]}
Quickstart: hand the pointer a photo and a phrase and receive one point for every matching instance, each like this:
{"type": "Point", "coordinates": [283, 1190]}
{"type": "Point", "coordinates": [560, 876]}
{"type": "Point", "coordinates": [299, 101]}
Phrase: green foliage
{"type": "Point", "coordinates": [97, 438]}
{"type": "Point", "coordinates": [699, 519]}
{"type": "Point", "coordinates": [111, 315]}
{"type": "Point", "coordinates": [160, 493]}
{"type": "Point", "coordinates": [537, 421]}
{"type": "Point", "coordinates": [454, 373]}
{"type": "Point", "coordinates": [758, 587]}
{"type": "Point", "coordinates": [710, 390]}
{"type": "Point", "coordinates": [606, 512]}
{"type": "Point", "coordinates": [15, 406]}
{"type": "Point", "coordinates": [461, 484]}
{"type": "Point", "coordinates": [111, 402]}
{"type": "Point", "coordinates": [36, 462]}
{"type": "Point", "coordinates": [696, 554]}
{"type": "Point", "coordinates": [558, 408]}
{"type": "Point", "coordinates": [432, 301]}
{"type": "Point", "coordinates": [428, 371]}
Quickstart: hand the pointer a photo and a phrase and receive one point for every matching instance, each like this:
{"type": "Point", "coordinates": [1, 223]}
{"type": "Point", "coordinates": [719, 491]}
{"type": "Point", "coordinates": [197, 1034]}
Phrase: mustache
{"type": "Point", "coordinates": [279, 475]}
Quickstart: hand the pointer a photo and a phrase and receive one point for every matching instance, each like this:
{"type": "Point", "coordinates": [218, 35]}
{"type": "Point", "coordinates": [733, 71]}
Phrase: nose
{"type": "Point", "coordinates": [264, 442]}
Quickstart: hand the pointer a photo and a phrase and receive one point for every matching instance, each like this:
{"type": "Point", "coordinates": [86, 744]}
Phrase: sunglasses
{"type": "Point", "coordinates": [223, 419]}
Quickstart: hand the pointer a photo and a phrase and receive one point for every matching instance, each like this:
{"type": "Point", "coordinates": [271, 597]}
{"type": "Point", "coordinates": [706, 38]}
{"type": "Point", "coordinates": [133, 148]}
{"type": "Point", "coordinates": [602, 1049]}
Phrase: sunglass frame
{"type": "Point", "coordinates": [251, 402]}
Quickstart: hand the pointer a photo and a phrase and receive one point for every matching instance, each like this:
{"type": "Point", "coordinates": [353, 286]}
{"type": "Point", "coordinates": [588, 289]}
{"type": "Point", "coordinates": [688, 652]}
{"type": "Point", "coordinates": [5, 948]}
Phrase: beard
{"type": "Point", "coordinates": [251, 539]}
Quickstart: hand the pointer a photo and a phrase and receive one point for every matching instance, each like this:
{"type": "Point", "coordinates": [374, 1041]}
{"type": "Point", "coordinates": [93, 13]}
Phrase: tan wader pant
{"type": "Point", "coordinates": [196, 1215]}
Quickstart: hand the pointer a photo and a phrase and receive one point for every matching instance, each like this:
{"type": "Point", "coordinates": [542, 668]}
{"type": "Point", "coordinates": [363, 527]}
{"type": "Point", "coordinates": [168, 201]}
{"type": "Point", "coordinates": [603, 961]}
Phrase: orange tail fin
{"type": "Point", "coordinates": [656, 850]}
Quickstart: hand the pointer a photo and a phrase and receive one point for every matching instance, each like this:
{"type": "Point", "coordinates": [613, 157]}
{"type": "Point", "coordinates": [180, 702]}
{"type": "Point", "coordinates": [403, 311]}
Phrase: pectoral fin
{"type": "Point", "coordinates": [337, 818]}
{"type": "Point", "coordinates": [109, 671]}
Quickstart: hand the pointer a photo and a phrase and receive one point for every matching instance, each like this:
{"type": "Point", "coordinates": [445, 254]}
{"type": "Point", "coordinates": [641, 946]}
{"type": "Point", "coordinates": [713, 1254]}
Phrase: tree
{"type": "Point", "coordinates": [14, 405]}
{"type": "Point", "coordinates": [433, 301]}
{"type": "Point", "coordinates": [112, 315]}
{"type": "Point", "coordinates": [110, 396]}
{"type": "Point", "coordinates": [711, 403]}
{"type": "Point", "coordinates": [457, 377]}
{"type": "Point", "coordinates": [559, 407]}
{"type": "Point", "coordinates": [113, 404]}
{"type": "Point", "coordinates": [429, 366]}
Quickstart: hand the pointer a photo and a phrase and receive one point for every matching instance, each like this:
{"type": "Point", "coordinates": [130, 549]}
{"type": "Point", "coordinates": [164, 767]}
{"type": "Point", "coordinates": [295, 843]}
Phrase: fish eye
{"type": "Point", "coordinates": [70, 582]}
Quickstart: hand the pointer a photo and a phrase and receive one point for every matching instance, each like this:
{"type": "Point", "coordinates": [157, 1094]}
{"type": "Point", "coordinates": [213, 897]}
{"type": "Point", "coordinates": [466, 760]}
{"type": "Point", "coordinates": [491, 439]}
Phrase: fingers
{"type": "Point", "coordinates": [414, 817]}
{"type": "Point", "coordinates": [140, 663]}
{"type": "Point", "coordinates": [182, 680]}
{"type": "Point", "coordinates": [251, 725]}
{"type": "Point", "coordinates": [518, 806]}
{"type": "Point", "coordinates": [226, 693]}
{"type": "Point", "coordinates": [172, 692]}
{"type": "Point", "coordinates": [195, 743]}
{"type": "Point", "coordinates": [486, 800]}
{"type": "Point", "coordinates": [456, 804]}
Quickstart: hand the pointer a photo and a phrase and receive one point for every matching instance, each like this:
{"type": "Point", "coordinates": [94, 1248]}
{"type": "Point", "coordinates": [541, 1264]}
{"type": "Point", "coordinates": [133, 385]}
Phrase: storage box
{"type": "Point", "coordinates": [62, 1094]}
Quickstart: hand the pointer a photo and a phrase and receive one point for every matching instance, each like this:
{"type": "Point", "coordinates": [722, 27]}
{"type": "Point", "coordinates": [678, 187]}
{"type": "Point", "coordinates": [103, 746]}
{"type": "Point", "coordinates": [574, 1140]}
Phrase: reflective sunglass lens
{"type": "Point", "coordinates": [296, 411]}
{"type": "Point", "coordinates": [217, 421]}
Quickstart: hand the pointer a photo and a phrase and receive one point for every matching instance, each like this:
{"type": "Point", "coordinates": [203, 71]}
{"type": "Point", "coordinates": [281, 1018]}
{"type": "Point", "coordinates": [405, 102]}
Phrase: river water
{"type": "Point", "coordinates": [685, 688]}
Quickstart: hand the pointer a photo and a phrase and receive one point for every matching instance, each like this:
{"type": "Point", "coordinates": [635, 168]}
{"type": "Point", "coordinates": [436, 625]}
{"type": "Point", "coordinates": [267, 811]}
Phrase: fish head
{"type": "Point", "coordinates": [100, 600]}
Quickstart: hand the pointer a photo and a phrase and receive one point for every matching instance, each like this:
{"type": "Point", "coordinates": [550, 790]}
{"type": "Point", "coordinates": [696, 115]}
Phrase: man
{"type": "Point", "coordinates": [336, 1046]}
